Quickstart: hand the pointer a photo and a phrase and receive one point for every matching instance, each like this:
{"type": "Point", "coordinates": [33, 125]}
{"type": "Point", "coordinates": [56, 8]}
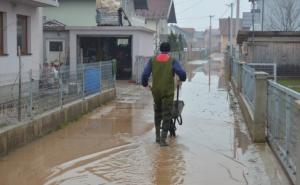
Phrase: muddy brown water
{"type": "Point", "coordinates": [115, 144]}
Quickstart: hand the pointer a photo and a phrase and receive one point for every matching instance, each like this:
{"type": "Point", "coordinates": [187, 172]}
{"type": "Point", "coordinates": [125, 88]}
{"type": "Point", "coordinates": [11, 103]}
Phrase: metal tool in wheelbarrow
{"type": "Point", "coordinates": [176, 114]}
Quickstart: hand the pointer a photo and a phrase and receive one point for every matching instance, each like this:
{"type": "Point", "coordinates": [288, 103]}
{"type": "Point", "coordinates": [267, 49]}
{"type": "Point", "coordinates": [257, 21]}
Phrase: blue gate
{"type": "Point", "coordinates": [92, 80]}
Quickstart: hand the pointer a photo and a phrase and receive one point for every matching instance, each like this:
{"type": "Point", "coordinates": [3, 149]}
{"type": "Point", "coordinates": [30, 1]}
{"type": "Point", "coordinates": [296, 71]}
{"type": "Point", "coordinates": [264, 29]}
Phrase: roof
{"type": "Point", "coordinates": [244, 35]}
{"type": "Point", "coordinates": [110, 29]}
{"type": "Point", "coordinates": [189, 30]}
{"type": "Point", "coordinates": [224, 25]}
{"type": "Point", "coordinates": [214, 32]}
{"type": "Point", "coordinates": [53, 25]}
{"type": "Point", "coordinates": [159, 9]}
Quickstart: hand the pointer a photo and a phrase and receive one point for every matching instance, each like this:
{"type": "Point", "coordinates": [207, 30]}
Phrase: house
{"type": "Point", "coordinates": [158, 15]}
{"type": "Point", "coordinates": [56, 43]}
{"type": "Point", "coordinates": [20, 25]}
{"type": "Point", "coordinates": [247, 21]}
{"type": "Point", "coordinates": [72, 43]}
{"type": "Point", "coordinates": [281, 48]}
{"type": "Point", "coordinates": [215, 40]}
{"type": "Point", "coordinates": [199, 45]}
{"type": "Point", "coordinates": [224, 25]}
{"type": "Point", "coordinates": [188, 35]}
{"type": "Point", "coordinates": [193, 41]}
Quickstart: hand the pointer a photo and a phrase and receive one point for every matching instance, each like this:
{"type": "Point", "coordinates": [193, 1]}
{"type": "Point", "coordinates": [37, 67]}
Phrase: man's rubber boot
{"type": "Point", "coordinates": [163, 138]}
{"type": "Point", "coordinates": [157, 133]}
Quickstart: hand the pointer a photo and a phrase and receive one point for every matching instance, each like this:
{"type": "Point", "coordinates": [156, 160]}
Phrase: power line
{"type": "Point", "coordinates": [227, 9]}
{"type": "Point", "coordinates": [190, 7]}
{"type": "Point", "coordinates": [198, 18]}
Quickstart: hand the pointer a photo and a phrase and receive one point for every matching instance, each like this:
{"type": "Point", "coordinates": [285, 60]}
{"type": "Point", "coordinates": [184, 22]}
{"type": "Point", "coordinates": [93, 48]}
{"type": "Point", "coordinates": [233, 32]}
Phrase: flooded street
{"type": "Point", "coordinates": [115, 144]}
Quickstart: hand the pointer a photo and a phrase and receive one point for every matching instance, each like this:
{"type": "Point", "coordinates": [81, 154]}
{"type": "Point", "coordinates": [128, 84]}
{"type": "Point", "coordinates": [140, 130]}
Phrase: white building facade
{"type": "Point", "coordinates": [85, 41]}
{"type": "Point", "coordinates": [20, 25]}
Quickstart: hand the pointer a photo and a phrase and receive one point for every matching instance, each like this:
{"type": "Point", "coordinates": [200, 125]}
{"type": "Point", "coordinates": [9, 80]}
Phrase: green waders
{"type": "Point", "coordinates": [163, 95]}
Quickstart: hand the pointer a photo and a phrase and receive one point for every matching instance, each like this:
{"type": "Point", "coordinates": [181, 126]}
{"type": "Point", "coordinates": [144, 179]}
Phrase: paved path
{"type": "Point", "coordinates": [115, 144]}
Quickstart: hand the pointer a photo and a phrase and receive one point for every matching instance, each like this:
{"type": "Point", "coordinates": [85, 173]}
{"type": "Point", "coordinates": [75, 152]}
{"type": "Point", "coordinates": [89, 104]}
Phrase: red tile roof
{"type": "Point", "coordinates": [159, 9]}
{"type": "Point", "coordinates": [189, 30]}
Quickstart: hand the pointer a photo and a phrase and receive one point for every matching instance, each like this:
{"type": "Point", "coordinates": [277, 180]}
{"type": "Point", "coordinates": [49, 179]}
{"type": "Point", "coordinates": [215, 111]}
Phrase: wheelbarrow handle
{"type": "Point", "coordinates": [177, 92]}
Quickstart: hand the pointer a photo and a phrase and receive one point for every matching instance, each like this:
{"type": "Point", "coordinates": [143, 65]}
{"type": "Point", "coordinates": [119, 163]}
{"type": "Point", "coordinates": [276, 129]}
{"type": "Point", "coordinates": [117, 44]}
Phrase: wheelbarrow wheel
{"type": "Point", "coordinates": [173, 129]}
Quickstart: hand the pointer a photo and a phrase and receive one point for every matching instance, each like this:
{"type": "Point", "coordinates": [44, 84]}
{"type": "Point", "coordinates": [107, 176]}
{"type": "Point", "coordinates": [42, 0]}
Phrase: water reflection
{"type": "Point", "coordinates": [169, 165]}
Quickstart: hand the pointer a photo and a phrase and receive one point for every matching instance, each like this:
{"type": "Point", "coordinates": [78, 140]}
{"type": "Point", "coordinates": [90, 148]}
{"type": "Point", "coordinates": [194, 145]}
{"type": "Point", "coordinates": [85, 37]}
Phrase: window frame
{"type": "Point", "coordinates": [25, 49]}
{"type": "Point", "coordinates": [60, 49]}
{"type": "Point", "coordinates": [1, 33]}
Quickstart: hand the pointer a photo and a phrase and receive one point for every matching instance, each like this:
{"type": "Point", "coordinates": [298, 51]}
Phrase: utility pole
{"type": "Point", "coordinates": [231, 29]}
{"type": "Point", "coordinates": [253, 15]}
{"type": "Point", "coordinates": [237, 16]}
{"type": "Point", "coordinates": [263, 15]}
{"type": "Point", "coordinates": [209, 51]}
{"type": "Point", "coordinates": [253, 27]}
{"type": "Point", "coordinates": [237, 27]}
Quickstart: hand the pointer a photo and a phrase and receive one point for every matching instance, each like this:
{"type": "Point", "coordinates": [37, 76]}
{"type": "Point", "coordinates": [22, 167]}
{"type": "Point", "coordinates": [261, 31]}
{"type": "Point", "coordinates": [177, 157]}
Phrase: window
{"type": "Point", "coordinates": [123, 42]}
{"type": "Point", "coordinates": [56, 46]}
{"type": "Point", "coordinates": [22, 33]}
{"type": "Point", "coordinates": [1, 34]}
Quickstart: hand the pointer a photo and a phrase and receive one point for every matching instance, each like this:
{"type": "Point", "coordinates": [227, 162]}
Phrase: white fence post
{"type": "Point", "coordinates": [61, 102]}
{"type": "Point", "coordinates": [20, 85]}
{"type": "Point", "coordinates": [260, 110]}
{"type": "Point", "coordinates": [275, 72]}
{"type": "Point", "coordinates": [239, 76]}
{"type": "Point", "coordinates": [100, 77]}
{"type": "Point", "coordinates": [298, 147]}
{"type": "Point", "coordinates": [83, 82]}
{"type": "Point", "coordinates": [228, 67]}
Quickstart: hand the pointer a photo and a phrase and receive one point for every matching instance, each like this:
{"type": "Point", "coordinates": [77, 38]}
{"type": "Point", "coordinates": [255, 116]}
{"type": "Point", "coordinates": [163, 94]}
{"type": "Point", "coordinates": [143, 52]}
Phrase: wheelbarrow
{"type": "Point", "coordinates": [176, 114]}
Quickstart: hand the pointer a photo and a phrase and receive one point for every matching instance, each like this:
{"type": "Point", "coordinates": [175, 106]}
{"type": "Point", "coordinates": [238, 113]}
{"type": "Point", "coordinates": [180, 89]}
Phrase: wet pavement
{"type": "Point", "coordinates": [115, 143]}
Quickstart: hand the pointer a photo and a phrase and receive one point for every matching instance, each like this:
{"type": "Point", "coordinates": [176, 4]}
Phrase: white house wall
{"type": "Point", "coordinates": [55, 35]}
{"type": "Point", "coordinates": [9, 64]}
{"type": "Point", "coordinates": [142, 46]}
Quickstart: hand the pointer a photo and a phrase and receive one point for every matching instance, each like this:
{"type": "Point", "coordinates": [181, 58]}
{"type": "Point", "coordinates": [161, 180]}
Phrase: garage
{"type": "Point", "coordinates": [105, 48]}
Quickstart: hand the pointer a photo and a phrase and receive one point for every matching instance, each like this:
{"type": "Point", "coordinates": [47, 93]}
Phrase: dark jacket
{"type": "Point", "coordinates": [176, 67]}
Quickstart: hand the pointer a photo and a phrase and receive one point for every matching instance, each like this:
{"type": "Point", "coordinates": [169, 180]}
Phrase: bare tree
{"type": "Point", "coordinates": [283, 15]}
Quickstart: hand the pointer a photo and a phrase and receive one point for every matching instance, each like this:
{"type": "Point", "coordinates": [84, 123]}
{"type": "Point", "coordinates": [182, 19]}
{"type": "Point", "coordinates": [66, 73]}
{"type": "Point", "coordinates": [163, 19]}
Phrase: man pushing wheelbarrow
{"type": "Point", "coordinates": [163, 68]}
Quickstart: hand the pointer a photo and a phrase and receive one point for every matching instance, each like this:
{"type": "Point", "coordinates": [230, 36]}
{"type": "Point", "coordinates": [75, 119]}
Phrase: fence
{"type": "Point", "coordinates": [274, 108]}
{"type": "Point", "coordinates": [270, 68]}
{"type": "Point", "coordinates": [48, 89]}
{"type": "Point", "coordinates": [248, 85]}
{"type": "Point", "coordinates": [140, 64]}
{"type": "Point", "coordinates": [181, 56]}
{"type": "Point", "coordinates": [283, 116]}
{"type": "Point", "coordinates": [234, 70]}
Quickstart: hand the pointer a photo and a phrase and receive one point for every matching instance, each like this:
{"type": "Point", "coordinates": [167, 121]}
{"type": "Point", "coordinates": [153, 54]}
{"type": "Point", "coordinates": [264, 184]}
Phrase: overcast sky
{"type": "Point", "coordinates": [194, 13]}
